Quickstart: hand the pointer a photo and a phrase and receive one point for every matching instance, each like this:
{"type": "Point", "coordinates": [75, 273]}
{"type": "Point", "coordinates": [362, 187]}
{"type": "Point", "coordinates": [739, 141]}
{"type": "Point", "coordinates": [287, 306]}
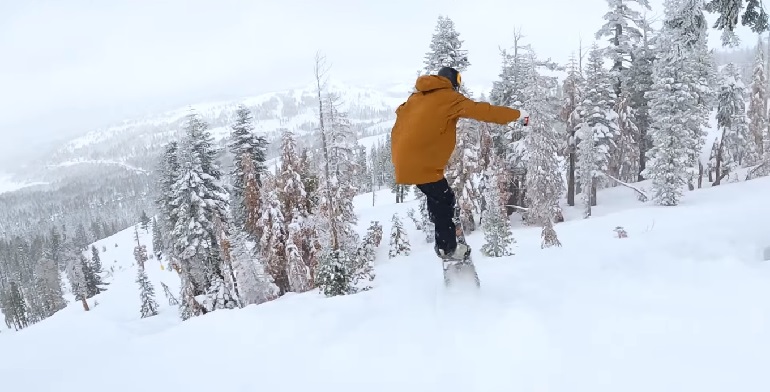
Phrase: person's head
{"type": "Point", "coordinates": [452, 74]}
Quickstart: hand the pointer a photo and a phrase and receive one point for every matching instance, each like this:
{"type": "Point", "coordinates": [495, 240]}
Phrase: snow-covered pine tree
{"type": "Point", "coordinates": [363, 173]}
{"type": "Point", "coordinates": [495, 222]}
{"type": "Point", "coordinates": [510, 91]}
{"type": "Point", "coordinates": [462, 171]}
{"type": "Point", "coordinates": [140, 251]}
{"type": "Point", "coordinates": [623, 162]}
{"type": "Point", "coordinates": [144, 220]}
{"type": "Point", "coordinates": [75, 262]}
{"type": "Point", "coordinates": [399, 239]}
{"type": "Point", "coordinates": [92, 272]}
{"type": "Point", "coordinates": [168, 172]}
{"type": "Point", "coordinates": [292, 196]}
{"type": "Point", "coordinates": [14, 308]}
{"type": "Point", "coordinates": [758, 121]}
{"type": "Point", "coordinates": [572, 92]}
{"type": "Point", "coordinates": [200, 201]}
{"type": "Point", "coordinates": [688, 22]}
{"type": "Point", "coordinates": [367, 252]}
{"type": "Point", "coordinates": [732, 123]}
{"type": "Point", "coordinates": [147, 294]}
{"type": "Point", "coordinates": [445, 48]}
{"type": "Point", "coordinates": [157, 239]}
{"type": "Point", "coordinates": [249, 154]}
{"type": "Point", "coordinates": [597, 130]}
{"type": "Point", "coordinates": [679, 101]}
{"type": "Point", "coordinates": [543, 181]}
{"type": "Point", "coordinates": [310, 181]}
{"type": "Point", "coordinates": [149, 306]}
{"type": "Point", "coordinates": [255, 285]}
{"type": "Point", "coordinates": [638, 83]}
{"type": "Point", "coordinates": [297, 271]}
{"type": "Point", "coordinates": [272, 245]}
{"type": "Point", "coordinates": [48, 284]}
{"type": "Point", "coordinates": [622, 30]}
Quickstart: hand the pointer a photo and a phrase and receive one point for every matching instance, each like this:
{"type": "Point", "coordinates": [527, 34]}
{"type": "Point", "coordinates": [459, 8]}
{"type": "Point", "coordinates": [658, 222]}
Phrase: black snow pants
{"type": "Point", "coordinates": [441, 204]}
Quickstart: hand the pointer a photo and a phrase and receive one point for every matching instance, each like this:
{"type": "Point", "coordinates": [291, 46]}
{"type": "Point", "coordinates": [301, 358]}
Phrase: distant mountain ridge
{"type": "Point", "coordinates": [135, 144]}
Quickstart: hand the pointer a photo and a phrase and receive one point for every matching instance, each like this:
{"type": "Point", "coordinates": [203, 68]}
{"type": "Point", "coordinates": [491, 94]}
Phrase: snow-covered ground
{"type": "Point", "coordinates": [682, 304]}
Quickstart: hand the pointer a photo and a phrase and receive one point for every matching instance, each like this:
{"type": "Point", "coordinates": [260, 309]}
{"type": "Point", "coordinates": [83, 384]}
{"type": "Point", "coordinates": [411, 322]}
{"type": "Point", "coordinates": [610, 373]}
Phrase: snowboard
{"type": "Point", "coordinates": [463, 271]}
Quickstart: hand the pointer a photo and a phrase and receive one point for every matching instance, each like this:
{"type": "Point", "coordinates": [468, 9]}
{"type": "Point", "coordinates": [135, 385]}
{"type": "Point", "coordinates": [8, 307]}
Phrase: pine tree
{"type": "Point", "coordinates": [81, 238]}
{"type": "Point", "coordinates": [146, 290]}
{"type": "Point", "coordinates": [157, 239]}
{"type": "Point", "coordinates": [249, 155]}
{"type": "Point", "coordinates": [334, 275]}
{"type": "Point", "coordinates": [445, 48]}
{"type": "Point", "coordinates": [367, 254]}
{"type": "Point", "coordinates": [623, 161]}
{"type": "Point", "coordinates": [495, 223]}
{"type": "Point", "coordinates": [147, 294]}
{"type": "Point", "coordinates": [200, 200]}
{"type": "Point", "coordinates": [622, 27]}
{"type": "Point", "coordinates": [462, 169]}
{"type": "Point", "coordinates": [363, 173]}
{"type": "Point", "coordinates": [597, 130]}
{"type": "Point", "coordinates": [298, 273]}
{"type": "Point", "coordinates": [544, 181]}
{"type": "Point", "coordinates": [300, 234]}
{"type": "Point", "coordinates": [144, 221]}
{"type": "Point", "coordinates": [679, 100]}
{"type": "Point", "coordinates": [14, 307]}
{"type": "Point", "coordinates": [272, 245]}
{"type": "Point", "coordinates": [74, 268]}
{"type": "Point", "coordinates": [732, 123]}
{"type": "Point", "coordinates": [49, 285]}
{"type": "Point", "coordinates": [758, 121]}
{"type": "Point", "coordinates": [572, 88]}
{"type": "Point", "coordinates": [255, 285]}
{"type": "Point", "coordinates": [169, 171]}
{"type": "Point", "coordinates": [310, 181]}
{"type": "Point", "coordinates": [639, 82]}
{"type": "Point", "coordinates": [399, 240]}
{"type": "Point", "coordinates": [92, 273]}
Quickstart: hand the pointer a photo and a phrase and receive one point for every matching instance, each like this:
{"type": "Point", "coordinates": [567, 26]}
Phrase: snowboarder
{"type": "Point", "coordinates": [423, 139]}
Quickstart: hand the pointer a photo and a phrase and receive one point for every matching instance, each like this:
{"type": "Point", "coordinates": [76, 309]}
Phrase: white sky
{"type": "Point", "coordinates": [67, 66]}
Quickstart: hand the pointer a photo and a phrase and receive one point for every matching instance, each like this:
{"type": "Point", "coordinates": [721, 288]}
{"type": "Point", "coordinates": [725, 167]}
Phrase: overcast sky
{"type": "Point", "coordinates": [67, 66]}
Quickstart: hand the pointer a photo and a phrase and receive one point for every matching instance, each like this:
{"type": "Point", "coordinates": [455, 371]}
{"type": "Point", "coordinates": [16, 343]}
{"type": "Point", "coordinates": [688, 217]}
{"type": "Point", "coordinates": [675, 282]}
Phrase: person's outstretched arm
{"type": "Point", "coordinates": [482, 111]}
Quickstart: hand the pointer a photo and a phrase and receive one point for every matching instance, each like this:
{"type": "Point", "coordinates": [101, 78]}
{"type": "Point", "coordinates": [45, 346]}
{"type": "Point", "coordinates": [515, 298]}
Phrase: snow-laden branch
{"type": "Point", "coordinates": [642, 196]}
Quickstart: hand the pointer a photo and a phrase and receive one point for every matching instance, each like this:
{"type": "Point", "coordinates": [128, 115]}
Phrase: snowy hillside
{"type": "Point", "coordinates": [679, 305]}
{"type": "Point", "coordinates": [296, 109]}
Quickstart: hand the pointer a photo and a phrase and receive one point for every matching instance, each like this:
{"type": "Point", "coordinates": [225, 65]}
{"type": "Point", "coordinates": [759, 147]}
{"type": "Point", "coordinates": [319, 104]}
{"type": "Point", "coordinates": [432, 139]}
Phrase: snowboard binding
{"type": "Point", "coordinates": [463, 268]}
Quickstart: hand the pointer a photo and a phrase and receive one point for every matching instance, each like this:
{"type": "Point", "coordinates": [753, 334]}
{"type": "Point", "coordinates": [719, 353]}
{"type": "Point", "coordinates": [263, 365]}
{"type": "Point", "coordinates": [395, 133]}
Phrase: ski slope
{"type": "Point", "coordinates": [682, 304]}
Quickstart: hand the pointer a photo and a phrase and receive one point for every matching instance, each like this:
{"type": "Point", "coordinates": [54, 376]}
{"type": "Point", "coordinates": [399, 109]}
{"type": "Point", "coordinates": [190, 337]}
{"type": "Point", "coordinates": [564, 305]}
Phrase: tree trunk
{"type": "Point", "coordinates": [571, 180]}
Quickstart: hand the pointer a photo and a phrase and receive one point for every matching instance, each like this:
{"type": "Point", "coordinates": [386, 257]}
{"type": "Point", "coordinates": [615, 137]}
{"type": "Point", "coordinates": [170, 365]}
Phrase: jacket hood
{"type": "Point", "coordinates": [431, 82]}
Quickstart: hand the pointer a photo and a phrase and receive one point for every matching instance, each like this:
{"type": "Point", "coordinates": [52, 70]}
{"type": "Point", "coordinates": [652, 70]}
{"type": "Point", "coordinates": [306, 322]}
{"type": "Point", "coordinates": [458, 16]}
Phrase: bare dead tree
{"type": "Point", "coordinates": [320, 71]}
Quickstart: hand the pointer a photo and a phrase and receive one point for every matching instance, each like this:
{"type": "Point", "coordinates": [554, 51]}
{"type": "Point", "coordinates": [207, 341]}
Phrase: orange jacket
{"type": "Point", "coordinates": [424, 135]}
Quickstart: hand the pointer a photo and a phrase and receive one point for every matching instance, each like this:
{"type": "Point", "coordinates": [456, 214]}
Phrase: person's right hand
{"type": "Point", "coordinates": [523, 118]}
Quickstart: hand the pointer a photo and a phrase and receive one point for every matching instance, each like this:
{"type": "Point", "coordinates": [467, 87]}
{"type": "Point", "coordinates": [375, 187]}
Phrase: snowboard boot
{"type": "Point", "coordinates": [459, 253]}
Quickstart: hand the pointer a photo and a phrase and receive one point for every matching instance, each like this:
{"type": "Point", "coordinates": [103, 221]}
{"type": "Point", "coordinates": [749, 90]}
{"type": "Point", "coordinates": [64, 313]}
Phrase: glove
{"type": "Point", "coordinates": [523, 118]}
